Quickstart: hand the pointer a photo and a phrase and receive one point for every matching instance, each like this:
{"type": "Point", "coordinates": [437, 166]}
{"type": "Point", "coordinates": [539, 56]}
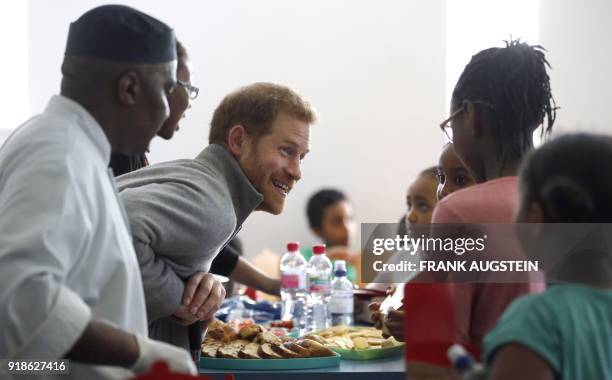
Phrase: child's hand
{"type": "Point", "coordinates": [376, 315]}
{"type": "Point", "coordinates": [394, 323]}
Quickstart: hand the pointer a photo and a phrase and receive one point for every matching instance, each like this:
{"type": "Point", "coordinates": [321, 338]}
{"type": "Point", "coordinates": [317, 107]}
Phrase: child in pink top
{"type": "Point", "coordinates": [479, 305]}
{"type": "Point", "coordinates": [500, 99]}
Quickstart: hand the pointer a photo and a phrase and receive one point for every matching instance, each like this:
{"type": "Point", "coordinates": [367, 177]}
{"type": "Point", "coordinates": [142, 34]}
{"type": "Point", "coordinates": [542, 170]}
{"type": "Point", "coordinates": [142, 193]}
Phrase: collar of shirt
{"type": "Point", "coordinates": [244, 195]}
{"type": "Point", "coordinates": [70, 109]}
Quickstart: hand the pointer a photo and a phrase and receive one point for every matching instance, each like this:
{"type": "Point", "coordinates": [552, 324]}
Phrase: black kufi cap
{"type": "Point", "coordinates": [122, 34]}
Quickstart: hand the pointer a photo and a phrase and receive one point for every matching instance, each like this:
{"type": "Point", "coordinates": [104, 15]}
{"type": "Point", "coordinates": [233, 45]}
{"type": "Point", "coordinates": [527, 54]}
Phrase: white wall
{"type": "Point", "coordinates": [375, 71]}
{"type": "Point", "coordinates": [474, 25]}
{"type": "Point", "coordinates": [14, 39]}
{"type": "Point", "coordinates": [578, 36]}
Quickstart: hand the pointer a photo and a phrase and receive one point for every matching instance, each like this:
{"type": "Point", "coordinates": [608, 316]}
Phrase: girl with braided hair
{"type": "Point", "coordinates": [502, 96]}
{"type": "Point", "coordinates": [500, 99]}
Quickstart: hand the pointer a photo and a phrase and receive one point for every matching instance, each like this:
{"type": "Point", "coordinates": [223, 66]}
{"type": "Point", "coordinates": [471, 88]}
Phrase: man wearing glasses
{"type": "Point", "coordinates": [179, 101]}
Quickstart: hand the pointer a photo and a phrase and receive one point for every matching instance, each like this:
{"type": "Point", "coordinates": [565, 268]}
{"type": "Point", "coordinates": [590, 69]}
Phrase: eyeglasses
{"type": "Point", "coordinates": [192, 91]}
{"type": "Point", "coordinates": [445, 126]}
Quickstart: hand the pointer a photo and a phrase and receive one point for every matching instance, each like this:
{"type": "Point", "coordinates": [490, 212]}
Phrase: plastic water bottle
{"type": "Point", "coordinates": [319, 270]}
{"type": "Point", "coordinates": [294, 286]}
{"type": "Point", "coordinates": [465, 364]}
{"type": "Point", "coordinates": [341, 304]}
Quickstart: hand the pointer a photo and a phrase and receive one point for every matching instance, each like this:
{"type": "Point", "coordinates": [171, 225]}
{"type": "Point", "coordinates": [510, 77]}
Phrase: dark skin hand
{"type": "Point", "coordinates": [104, 344]}
{"type": "Point", "coordinates": [393, 320]}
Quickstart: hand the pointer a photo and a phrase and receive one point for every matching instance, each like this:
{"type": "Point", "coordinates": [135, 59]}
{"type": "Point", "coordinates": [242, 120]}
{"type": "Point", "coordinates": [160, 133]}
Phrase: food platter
{"type": "Point", "coordinates": [359, 343]}
{"type": "Point", "coordinates": [370, 354]}
{"type": "Point", "coordinates": [254, 347]}
{"type": "Point", "coordinates": [269, 364]}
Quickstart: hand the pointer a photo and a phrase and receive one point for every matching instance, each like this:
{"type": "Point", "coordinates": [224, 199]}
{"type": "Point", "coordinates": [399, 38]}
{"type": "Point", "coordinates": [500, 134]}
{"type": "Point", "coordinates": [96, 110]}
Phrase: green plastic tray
{"type": "Point", "coordinates": [371, 354]}
{"type": "Point", "coordinates": [269, 364]}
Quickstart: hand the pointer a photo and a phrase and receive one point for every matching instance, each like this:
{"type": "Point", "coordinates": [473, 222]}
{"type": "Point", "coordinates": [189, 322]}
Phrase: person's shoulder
{"type": "Point", "coordinates": [42, 134]}
{"type": "Point", "coordinates": [473, 194]}
{"type": "Point", "coordinates": [525, 304]}
{"type": "Point", "coordinates": [473, 200]}
{"type": "Point", "coordinates": [168, 173]}
{"type": "Point", "coordinates": [531, 321]}
{"type": "Point", "coordinates": [44, 143]}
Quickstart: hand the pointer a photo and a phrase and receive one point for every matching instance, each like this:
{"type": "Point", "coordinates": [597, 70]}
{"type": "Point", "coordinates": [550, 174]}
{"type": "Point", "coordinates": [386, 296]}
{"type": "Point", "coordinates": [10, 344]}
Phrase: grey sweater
{"type": "Point", "coordinates": [181, 214]}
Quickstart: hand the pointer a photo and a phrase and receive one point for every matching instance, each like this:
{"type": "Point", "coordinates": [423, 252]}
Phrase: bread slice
{"type": "Point", "coordinates": [316, 338]}
{"type": "Point", "coordinates": [231, 350]}
{"type": "Point", "coordinates": [209, 347]}
{"type": "Point", "coordinates": [314, 348]}
{"type": "Point", "coordinates": [217, 333]}
{"type": "Point", "coordinates": [304, 353]}
{"type": "Point", "coordinates": [266, 352]}
{"type": "Point", "coordinates": [267, 337]}
{"type": "Point", "coordinates": [249, 351]}
{"type": "Point", "coordinates": [250, 332]}
{"type": "Point", "coordinates": [285, 352]}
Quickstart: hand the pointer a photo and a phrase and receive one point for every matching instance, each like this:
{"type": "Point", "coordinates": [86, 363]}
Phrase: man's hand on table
{"type": "Point", "coordinates": [183, 316]}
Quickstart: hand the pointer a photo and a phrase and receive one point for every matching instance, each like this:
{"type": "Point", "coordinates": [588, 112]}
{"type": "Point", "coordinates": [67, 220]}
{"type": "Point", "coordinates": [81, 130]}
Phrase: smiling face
{"type": "Point", "coordinates": [272, 162]}
{"type": "Point", "coordinates": [421, 200]}
{"type": "Point", "coordinates": [452, 173]}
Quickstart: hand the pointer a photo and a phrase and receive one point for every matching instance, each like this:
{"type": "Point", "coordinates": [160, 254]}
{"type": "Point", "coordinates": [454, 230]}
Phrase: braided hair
{"type": "Point", "coordinates": [511, 86]}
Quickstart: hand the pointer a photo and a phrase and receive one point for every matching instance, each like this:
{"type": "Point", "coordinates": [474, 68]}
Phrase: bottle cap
{"type": "Point", "coordinates": [318, 249]}
{"type": "Point", "coordinates": [462, 361]}
{"type": "Point", "coordinates": [340, 265]}
{"type": "Point", "coordinates": [340, 268]}
{"type": "Point", "coordinates": [293, 246]}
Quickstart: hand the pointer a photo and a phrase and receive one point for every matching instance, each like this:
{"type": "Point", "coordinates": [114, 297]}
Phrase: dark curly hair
{"type": "Point", "coordinates": [510, 88]}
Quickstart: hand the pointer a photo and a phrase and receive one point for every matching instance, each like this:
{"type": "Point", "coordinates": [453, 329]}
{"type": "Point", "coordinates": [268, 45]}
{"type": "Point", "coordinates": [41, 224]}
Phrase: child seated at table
{"type": "Point", "coordinates": [565, 332]}
{"type": "Point", "coordinates": [421, 199]}
{"type": "Point", "coordinates": [330, 217]}
{"type": "Point", "coordinates": [451, 175]}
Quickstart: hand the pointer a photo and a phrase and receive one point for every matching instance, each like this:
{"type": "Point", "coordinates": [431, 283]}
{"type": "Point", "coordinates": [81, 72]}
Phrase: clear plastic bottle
{"type": "Point", "coordinates": [294, 286]}
{"type": "Point", "coordinates": [319, 270]}
{"type": "Point", "coordinates": [341, 304]}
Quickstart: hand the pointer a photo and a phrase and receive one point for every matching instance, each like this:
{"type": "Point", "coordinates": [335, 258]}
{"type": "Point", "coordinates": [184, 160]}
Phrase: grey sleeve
{"type": "Point", "coordinates": [162, 286]}
{"type": "Point", "coordinates": [153, 224]}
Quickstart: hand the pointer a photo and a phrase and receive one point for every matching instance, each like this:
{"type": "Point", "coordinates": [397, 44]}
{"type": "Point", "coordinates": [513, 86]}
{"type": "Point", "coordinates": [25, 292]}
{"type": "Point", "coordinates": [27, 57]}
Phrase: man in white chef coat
{"type": "Point", "coordinates": [70, 285]}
